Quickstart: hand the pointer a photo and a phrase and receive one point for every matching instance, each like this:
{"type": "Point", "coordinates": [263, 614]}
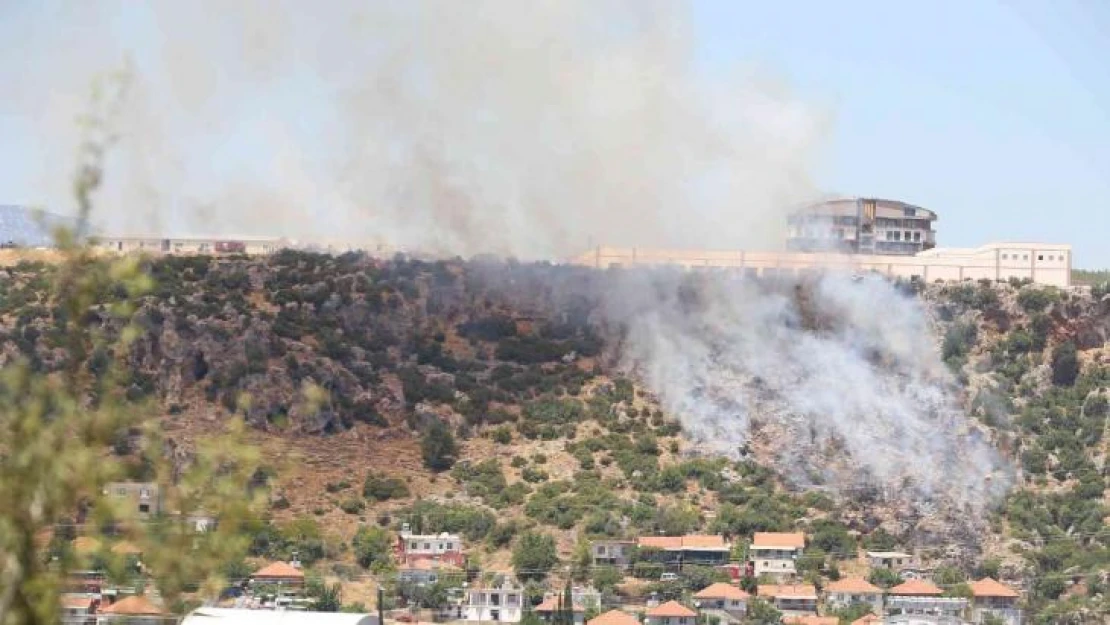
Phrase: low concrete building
{"type": "Point", "coordinates": [144, 499]}
{"type": "Point", "coordinates": [726, 598]}
{"type": "Point", "coordinates": [612, 552]}
{"type": "Point", "coordinates": [790, 599]}
{"type": "Point", "coordinates": [430, 571]}
{"type": "Point", "coordinates": [776, 553]}
{"type": "Point", "coordinates": [188, 245]}
{"type": "Point", "coordinates": [811, 620]}
{"type": "Point", "coordinates": [920, 598]}
{"type": "Point", "coordinates": [1041, 263]}
{"type": "Point", "coordinates": [444, 547]}
{"type": "Point", "coordinates": [670, 613]}
{"type": "Point", "coordinates": [230, 616]}
{"type": "Point", "coordinates": [893, 560]}
{"type": "Point", "coordinates": [852, 590]}
{"type": "Point", "coordinates": [501, 600]}
{"type": "Point", "coordinates": [990, 597]}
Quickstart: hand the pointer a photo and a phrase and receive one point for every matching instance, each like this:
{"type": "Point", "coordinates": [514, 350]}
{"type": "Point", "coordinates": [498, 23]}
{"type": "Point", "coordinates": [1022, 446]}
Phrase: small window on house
{"type": "Point", "coordinates": [1025, 257]}
{"type": "Point", "coordinates": [427, 546]}
{"type": "Point", "coordinates": [1003, 257]}
{"type": "Point", "coordinates": [1040, 257]}
{"type": "Point", "coordinates": [144, 508]}
{"type": "Point", "coordinates": [917, 236]}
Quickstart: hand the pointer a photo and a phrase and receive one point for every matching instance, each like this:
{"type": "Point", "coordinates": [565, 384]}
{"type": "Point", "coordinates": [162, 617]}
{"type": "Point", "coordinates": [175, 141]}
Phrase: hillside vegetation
{"type": "Point", "coordinates": [485, 398]}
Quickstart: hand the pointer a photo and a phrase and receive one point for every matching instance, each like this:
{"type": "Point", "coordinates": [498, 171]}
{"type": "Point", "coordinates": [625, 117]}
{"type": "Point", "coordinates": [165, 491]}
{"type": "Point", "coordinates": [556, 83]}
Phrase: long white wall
{"type": "Point", "coordinates": [1042, 263]}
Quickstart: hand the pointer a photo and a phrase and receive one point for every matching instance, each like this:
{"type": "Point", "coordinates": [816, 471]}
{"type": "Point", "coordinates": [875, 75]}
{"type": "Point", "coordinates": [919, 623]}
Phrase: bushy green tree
{"type": "Point", "coordinates": [1065, 364]}
{"type": "Point", "coordinates": [761, 612]}
{"type": "Point", "coordinates": [534, 555]}
{"type": "Point", "coordinates": [372, 547]}
{"type": "Point", "coordinates": [438, 447]}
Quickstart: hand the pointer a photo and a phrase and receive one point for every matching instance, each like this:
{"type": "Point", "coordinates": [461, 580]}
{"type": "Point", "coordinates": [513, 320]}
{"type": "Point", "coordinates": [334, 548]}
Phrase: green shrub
{"type": "Point", "coordinates": [352, 506]}
{"type": "Point", "coordinates": [534, 555]}
{"type": "Point", "coordinates": [438, 447]}
{"type": "Point", "coordinates": [381, 487]}
{"type": "Point", "coordinates": [1065, 364]}
{"type": "Point", "coordinates": [502, 435]}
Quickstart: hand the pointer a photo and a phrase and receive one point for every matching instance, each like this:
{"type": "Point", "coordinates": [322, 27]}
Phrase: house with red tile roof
{"type": "Point", "coordinates": [918, 597]}
{"type": "Point", "coordinates": [776, 553]}
{"type": "Point", "coordinates": [80, 608]}
{"type": "Point", "coordinates": [845, 592]}
{"type": "Point", "coordinates": [134, 610]}
{"type": "Point", "coordinates": [721, 597]}
{"type": "Point", "coordinates": [791, 599]}
{"type": "Point", "coordinates": [707, 550]}
{"type": "Point", "coordinates": [989, 596]}
{"type": "Point", "coordinates": [868, 619]}
{"type": "Point", "coordinates": [279, 573]}
{"type": "Point", "coordinates": [670, 613]}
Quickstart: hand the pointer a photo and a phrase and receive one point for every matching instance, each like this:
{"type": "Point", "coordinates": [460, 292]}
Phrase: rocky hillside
{"type": "Point", "coordinates": [490, 398]}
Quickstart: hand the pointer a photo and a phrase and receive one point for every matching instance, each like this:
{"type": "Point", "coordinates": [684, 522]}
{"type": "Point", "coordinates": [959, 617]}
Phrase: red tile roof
{"type": "Point", "coordinates": [988, 587]}
{"type": "Point", "coordinates": [278, 570]}
{"type": "Point", "coordinates": [787, 591]}
{"type": "Point", "coordinates": [793, 540]}
{"type": "Point", "coordinates": [916, 588]}
{"type": "Point", "coordinates": [132, 606]}
{"type": "Point", "coordinates": [551, 603]}
{"type": "Point", "coordinates": [671, 609]}
{"type": "Point", "coordinates": [77, 601]}
{"type": "Point", "coordinates": [869, 619]}
{"type": "Point", "coordinates": [614, 617]}
{"type": "Point", "coordinates": [721, 590]}
{"type": "Point", "coordinates": [855, 586]}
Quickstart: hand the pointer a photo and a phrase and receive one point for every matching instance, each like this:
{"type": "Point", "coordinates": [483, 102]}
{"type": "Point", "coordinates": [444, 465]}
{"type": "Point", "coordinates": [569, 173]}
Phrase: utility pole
{"type": "Point", "coordinates": [381, 603]}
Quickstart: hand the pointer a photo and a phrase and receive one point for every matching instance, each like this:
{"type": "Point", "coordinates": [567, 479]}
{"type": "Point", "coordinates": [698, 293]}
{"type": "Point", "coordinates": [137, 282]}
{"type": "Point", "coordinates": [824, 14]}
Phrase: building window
{"type": "Point", "coordinates": [1003, 257]}
{"type": "Point", "coordinates": [917, 236]}
{"type": "Point", "coordinates": [1040, 257]}
{"type": "Point", "coordinates": [908, 212]}
{"type": "Point", "coordinates": [144, 508]}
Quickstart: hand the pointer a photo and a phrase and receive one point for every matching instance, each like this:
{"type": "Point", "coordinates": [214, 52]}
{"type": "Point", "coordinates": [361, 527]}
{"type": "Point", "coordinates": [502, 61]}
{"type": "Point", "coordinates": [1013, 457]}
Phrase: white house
{"type": "Point", "coordinates": [726, 598]}
{"type": "Point", "coordinates": [670, 613]}
{"type": "Point", "coordinates": [550, 608]}
{"type": "Point", "coordinates": [919, 598]}
{"type": "Point", "coordinates": [500, 601]}
{"type": "Point", "coordinates": [776, 553]}
{"type": "Point", "coordinates": [791, 599]}
{"type": "Point", "coordinates": [845, 592]}
{"type": "Point", "coordinates": [445, 547]}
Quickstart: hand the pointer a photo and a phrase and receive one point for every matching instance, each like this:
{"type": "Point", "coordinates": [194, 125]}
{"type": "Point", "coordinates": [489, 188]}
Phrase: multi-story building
{"type": "Point", "coordinates": [990, 597]}
{"type": "Point", "coordinates": [793, 599]}
{"type": "Point", "coordinates": [192, 245]}
{"type": "Point", "coordinates": [499, 601]}
{"type": "Point", "coordinates": [443, 547]}
{"type": "Point", "coordinates": [612, 552]}
{"type": "Point", "coordinates": [861, 226]}
{"type": "Point", "coordinates": [431, 571]}
{"type": "Point", "coordinates": [142, 498]}
{"type": "Point", "coordinates": [776, 553]}
{"type": "Point", "coordinates": [691, 549]}
{"type": "Point", "coordinates": [851, 590]}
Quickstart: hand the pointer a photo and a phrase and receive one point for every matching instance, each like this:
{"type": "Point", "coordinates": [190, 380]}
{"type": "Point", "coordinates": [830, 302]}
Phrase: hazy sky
{"type": "Point", "coordinates": [994, 114]}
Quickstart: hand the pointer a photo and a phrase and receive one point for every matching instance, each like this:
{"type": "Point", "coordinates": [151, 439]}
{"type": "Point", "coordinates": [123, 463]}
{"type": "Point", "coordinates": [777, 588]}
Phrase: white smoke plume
{"type": "Point", "coordinates": [839, 380]}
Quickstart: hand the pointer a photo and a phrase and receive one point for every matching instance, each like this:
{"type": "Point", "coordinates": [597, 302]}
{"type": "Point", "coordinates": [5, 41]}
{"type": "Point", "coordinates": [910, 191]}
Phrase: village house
{"type": "Point", "coordinates": [500, 601]}
{"type": "Point", "coordinates": [904, 564]}
{"type": "Point", "coordinates": [691, 549]}
{"type": "Point", "coordinates": [990, 597]}
{"type": "Point", "coordinates": [612, 552]}
{"type": "Point", "coordinates": [776, 553]}
{"type": "Point", "coordinates": [134, 610]}
{"type": "Point", "coordinates": [851, 590]}
{"type": "Point", "coordinates": [427, 572]}
{"type": "Point", "coordinates": [614, 617]}
{"type": "Point", "coordinates": [549, 609]}
{"type": "Point", "coordinates": [723, 600]}
{"type": "Point", "coordinates": [280, 574]}
{"type": "Point", "coordinates": [143, 499]}
{"type": "Point", "coordinates": [792, 599]}
{"type": "Point", "coordinates": [670, 613]}
{"type": "Point", "coordinates": [922, 598]}
{"type": "Point", "coordinates": [444, 547]}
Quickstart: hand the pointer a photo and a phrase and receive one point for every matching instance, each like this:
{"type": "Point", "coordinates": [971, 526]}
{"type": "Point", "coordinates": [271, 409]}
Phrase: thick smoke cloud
{"type": "Point", "coordinates": [525, 128]}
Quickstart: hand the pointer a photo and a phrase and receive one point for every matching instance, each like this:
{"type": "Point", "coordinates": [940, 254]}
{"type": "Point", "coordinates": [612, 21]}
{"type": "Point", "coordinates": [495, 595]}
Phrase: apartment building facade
{"type": "Point", "coordinates": [862, 226]}
{"type": "Point", "coordinates": [499, 601]}
{"type": "Point", "coordinates": [776, 553]}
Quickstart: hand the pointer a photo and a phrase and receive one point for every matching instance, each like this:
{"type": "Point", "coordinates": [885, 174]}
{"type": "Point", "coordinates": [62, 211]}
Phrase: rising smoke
{"type": "Point", "coordinates": [530, 129]}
